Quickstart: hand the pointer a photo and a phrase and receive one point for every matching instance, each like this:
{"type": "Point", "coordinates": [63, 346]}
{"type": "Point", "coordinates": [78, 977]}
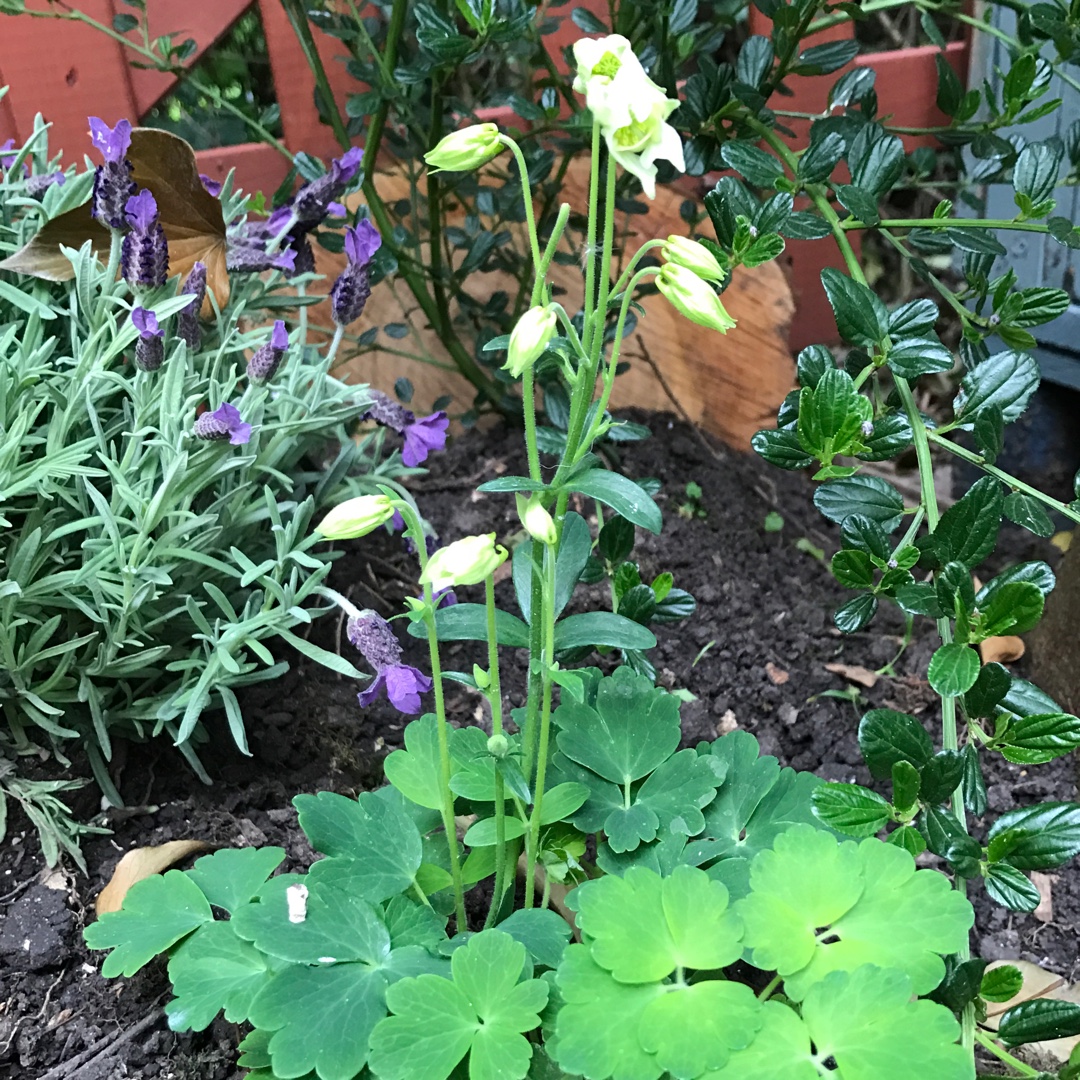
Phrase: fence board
{"type": "Point", "coordinates": [258, 167]}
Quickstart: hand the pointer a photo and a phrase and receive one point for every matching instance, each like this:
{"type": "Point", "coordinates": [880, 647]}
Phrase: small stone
{"type": "Point", "coordinates": [727, 723]}
{"type": "Point", "coordinates": [788, 713]}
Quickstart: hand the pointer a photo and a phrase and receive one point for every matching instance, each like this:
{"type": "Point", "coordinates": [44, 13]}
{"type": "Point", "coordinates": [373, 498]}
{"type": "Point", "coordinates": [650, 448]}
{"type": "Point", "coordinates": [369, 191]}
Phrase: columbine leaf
{"type": "Point", "coordinates": [379, 841]}
{"type": "Point", "coordinates": [619, 492]}
{"type": "Point", "coordinates": [321, 1018]}
{"type": "Point", "coordinates": [337, 925]}
{"type": "Point", "coordinates": [158, 911]}
{"type": "Point", "coordinates": [232, 876]}
{"type": "Point", "coordinates": [482, 1012]}
{"type": "Point", "coordinates": [212, 970]}
{"type": "Point", "coordinates": [641, 927]}
{"type": "Point", "coordinates": [817, 906]}
{"type": "Point", "coordinates": [543, 932]}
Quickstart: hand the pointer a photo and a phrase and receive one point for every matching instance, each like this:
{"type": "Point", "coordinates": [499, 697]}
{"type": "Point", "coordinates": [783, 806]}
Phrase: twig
{"type": "Point", "coordinates": [683, 414]}
{"type": "Point", "coordinates": [103, 1048]}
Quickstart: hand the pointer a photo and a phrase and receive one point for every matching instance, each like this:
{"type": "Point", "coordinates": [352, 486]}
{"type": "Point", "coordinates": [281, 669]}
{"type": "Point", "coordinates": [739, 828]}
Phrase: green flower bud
{"type": "Point", "coordinates": [693, 298]}
{"type": "Point", "coordinates": [465, 562]}
{"type": "Point", "coordinates": [466, 149]}
{"type": "Point", "coordinates": [694, 256]}
{"type": "Point", "coordinates": [539, 524]}
{"type": "Point", "coordinates": [356, 517]}
{"type": "Point", "coordinates": [529, 339]}
{"type": "Point", "coordinates": [498, 746]}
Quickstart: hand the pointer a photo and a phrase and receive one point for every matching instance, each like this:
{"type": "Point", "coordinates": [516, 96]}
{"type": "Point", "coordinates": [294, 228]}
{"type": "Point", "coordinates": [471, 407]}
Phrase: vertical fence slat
{"type": "Point", "coordinates": [65, 71]}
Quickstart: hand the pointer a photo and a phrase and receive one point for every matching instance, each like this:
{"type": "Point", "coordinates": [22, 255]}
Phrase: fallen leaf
{"type": "Point", "coordinates": [1044, 883]}
{"type": "Point", "coordinates": [854, 673]}
{"type": "Point", "coordinates": [727, 723]}
{"type": "Point", "coordinates": [1001, 650]}
{"type": "Point", "coordinates": [1038, 983]}
{"type": "Point", "coordinates": [777, 675]}
{"type": "Point", "coordinates": [1062, 540]}
{"type": "Point", "coordinates": [139, 863]}
{"type": "Point", "coordinates": [190, 215]}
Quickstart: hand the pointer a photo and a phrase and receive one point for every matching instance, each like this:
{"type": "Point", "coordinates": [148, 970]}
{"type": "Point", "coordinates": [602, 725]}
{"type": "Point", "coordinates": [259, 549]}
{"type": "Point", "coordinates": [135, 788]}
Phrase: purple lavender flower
{"type": "Point", "coordinates": [8, 154]}
{"type": "Point", "coordinates": [223, 423]}
{"type": "Point", "coordinates": [187, 321]}
{"type": "Point", "coordinates": [423, 436]}
{"type": "Point", "coordinates": [444, 598]}
{"type": "Point", "coordinates": [144, 256]}
{"type": "Point", "coordinates": [350, 293]}
{"type": "Point", "coordinates": [386, 411]}
{"type": "Point", "coordinates": [267, 359]}
{"type": "Point", "coordinates": [312, 201]}
{"type": "Point", "coordinates": [150, 345]}
{"type": "Point", "coordinates": [113, 185]}
{"type": "Point", "coordinates": [212, 186]}
{"type": "Point", "coordinates": [396, 523]}
{"type": "Point", "coordinates": [38, 185]}
{"type": "Point", "coordinates": [371, 634]}
{"type": "Point", "coordinates": [247, 255]}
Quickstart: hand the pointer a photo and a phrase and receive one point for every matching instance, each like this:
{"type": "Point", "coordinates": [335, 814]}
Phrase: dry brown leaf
{"type": "Point", "coordinates": [1044, 883]}
{"type": "Point", "coordinates": [777, 675]}
{"type": "Point", "coordinates": [1001, 650]}
{"type": "Point", "coordinates": [854, 673]}
{"type": "Point", "coordinates": [139, 863]}
{"type": "Point", "coordinates": [1062, 540]}
{"type": "Point", "coordinates": [190, 216]}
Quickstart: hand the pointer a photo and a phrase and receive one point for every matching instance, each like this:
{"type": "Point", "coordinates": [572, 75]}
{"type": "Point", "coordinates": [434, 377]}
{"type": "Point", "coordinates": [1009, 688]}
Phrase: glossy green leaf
{"type": "Point", "coordinates": [759, 167]}
{"type": "Point", "coordinates": [851, 617]}
{"type": "Point", "coordinates": [620, 493]}
{"type": "Point", "coordinates": [1037, 837]}
{"type": "Point", "coordinates": [861, 317]}
{"type": "Point", "coordinates": [1028, 513]}
{"type": "Point", "coordinates": [1001, 983]}
{"type": "Point", "coordinates": [912, 357]}
{"type": "Point", "coordinates": [1005, 380]}
{"type": "Point", "coordinates": [887, 736]}
{"type": "Point", "coordinates": [968, 530]}
{"type": "Point", "coordinates": [1014, 608]}
{"type": "Point", "coordinates": [1011, 888]}
{"type": "Point", "coordinates": [1036, 739]}
{"type": "Point", "coordinates": [990, 687]}
{"type": "Point", "coordinates": [1039, 1020]}
{"type": "Point", "coordinates": [869, 496]}
{"type": "Point", "coordinates": [953, 669]}
{"type": "Point", "coordinates": [851, 809]}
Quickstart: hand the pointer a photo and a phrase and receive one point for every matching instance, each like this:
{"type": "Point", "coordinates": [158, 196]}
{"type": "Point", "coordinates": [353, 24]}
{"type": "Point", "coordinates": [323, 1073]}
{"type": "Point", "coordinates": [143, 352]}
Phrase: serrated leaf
{"type": "Point", "coordinates": [869, 496]}
{"type": "Point", "coordinates": [1028, 513]}
{"type": "Point", "coordinates": [543, 932]}
{"type": "Point", "coordinates": [851, 809]}
{"type": "Point", "coordinates": [912, 357]}
{"type": "Point", "coordinates": [887, 736]}
{"type": "Point", "coordinates": [851, 617]}
{"type": "Point", "coordinates": [953, 669]}
{"type": "Point", "coordinates": [968, 530]}
{"type": "Point", "coordinates": [1002, 983]}
{"type": "Point", "coordinates": [1039, 1020]}
{"type": "Point", "coordinates": [1032, 740]}
{"type": "Point", "coordinates": [1036, 837]}
{"type": "Point", "coordinates": [861, 317]}
{"type": "Point", "coordinates": [1009, 887]}
{"type": "Point", "coordinates": [1005, 380]}
{"type": "Point", "coordinates": [759, 167]}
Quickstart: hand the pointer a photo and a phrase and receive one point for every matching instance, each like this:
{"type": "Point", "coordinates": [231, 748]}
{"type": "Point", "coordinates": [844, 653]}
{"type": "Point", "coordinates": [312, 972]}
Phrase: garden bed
{"type": "Point", "coordinates": [754, 655]}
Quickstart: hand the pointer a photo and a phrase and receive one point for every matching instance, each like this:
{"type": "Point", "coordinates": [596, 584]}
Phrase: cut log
{"type": "Point", "coordinates": [731, 385]}
{"type": "Point", "coordinates": [1054, 650]}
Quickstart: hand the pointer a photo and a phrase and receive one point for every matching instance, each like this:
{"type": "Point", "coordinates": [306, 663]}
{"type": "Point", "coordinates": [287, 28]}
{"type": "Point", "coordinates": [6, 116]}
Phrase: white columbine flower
{"type": "Point", "coordinates": [630, 108]}
{"type": "Point", "coordinates": [530, 338]}
{"type": "Point", "coordinates": [465, 562]}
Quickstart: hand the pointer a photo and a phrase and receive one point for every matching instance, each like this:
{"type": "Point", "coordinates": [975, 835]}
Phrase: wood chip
{"type": "Point", "coordinates": [1001, 650]}
{"type": "Point", "coordinates": [1062, 540]}
{"type": "Point", "coordinates": [777, 675]}
{"type": "Point", "coordinates": [143, 862]}
{"type": "Point", "coordinates": [854, 673]}
{"type": "Point", "coordinates": [1044, 883]}
{"type": "Point", "coordinates": [727, 723]}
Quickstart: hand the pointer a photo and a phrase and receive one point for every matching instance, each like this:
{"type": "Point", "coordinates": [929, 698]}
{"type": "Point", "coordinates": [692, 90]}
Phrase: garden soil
{"type": "Point", "coordinates": [755, 656]}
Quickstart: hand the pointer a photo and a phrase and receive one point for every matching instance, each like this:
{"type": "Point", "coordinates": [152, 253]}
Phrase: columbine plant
{"type": "Point", "coordinates": [160, 461]}
{"type": "Point", "coordinates": [578, 814]}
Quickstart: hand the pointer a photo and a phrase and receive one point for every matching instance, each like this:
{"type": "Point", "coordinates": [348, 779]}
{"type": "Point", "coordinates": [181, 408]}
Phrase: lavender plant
{"type": "Point", "coordinates": [162, 453]}
{"type": "Point", "coordinates": [434, 936]}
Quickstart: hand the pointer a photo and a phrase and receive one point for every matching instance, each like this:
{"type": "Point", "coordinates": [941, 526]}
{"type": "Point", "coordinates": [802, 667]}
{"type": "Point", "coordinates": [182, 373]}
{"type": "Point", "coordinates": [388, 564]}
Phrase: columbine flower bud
{"type": "Point", "coordinates": [187, 321]}
{"type": "Point", "coordinates": [529, 339]}
{"type": "Point", "coordinates": [356, 517]}
{"type": "Point", "coordinates": [539, 524]}
{"type": "Point", "coordinates": [694, 256]}
{"type": "Point", "coordinates": [150, 345]}
{"type": "Point", "coordinates": [267, 359]}
{"type": "Point", "coordinates": [144, 256]}
{"type": "Point", "coordinates": [112, 179]}
{"type": "Point", "coordinates": [693, 298]}
{"type": "Point", "coordinates": [498, 746]}
{"type": "Point", "coordinates": [466, 149]}
{"type": "Point", "coordinates": [464, 562]}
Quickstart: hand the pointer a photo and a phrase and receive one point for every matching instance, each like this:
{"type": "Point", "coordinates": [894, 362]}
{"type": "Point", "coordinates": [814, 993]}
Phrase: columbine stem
{"type": "Point", "coordinates": [526, 199]}
{"type": "Point", "coordinates": [494, 693]}
{"type": "Point", "coordinates": [590, 235]}
{"type": "Point", "coordinates": [1003, 1055]}
{"type": "Point", "coordinates": [415, 529]}
{"type": "Point", "coordinates": [547, 659]}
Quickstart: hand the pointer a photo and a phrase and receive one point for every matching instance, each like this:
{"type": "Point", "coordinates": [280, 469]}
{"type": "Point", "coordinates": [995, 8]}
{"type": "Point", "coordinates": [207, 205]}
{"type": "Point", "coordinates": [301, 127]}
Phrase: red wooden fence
{"type": "Point", "coordinates": [68, 72]}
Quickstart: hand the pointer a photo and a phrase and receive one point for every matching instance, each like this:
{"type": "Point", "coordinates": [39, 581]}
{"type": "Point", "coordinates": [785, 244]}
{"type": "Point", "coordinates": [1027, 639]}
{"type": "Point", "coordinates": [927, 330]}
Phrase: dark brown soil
{"type": "Point", "coordinates": [754, 654]}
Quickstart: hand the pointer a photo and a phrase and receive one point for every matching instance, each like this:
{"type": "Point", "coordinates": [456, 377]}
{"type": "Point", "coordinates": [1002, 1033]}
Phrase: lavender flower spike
{"type": "Point", "coordinates": [187, 321]}
{"type": "Point", "coordinates": [223, 423]}
{"type": "Point", "coordinates": [404, 684]}
{"type": "Point", "coordinates": [8, 153]}
{"type": "Point", "coordinates": [212, 186]}
{"type": "Point", "coordinates": [150, 345]}
{"type": "Point", "coordinates": [38, 185]}
{"type": "Point", "coordinates": [112, 179]}
{"type": "Point", "coordinates": [422, 436]}
{"type": "Point", "coordinates": [312, 202]}
{"type": "Point", "coordinates": [267, 359]}
{"type": "Point", "coordinates": [350, 293]}
{"type": "Point", "coordinates": [144, 256]}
